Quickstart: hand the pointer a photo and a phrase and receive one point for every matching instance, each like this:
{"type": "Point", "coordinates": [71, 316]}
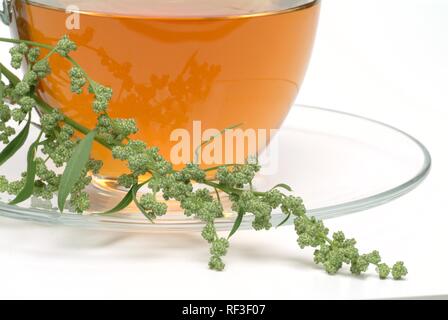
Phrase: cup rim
{"type": "Point", "coordinates": [302, 6]}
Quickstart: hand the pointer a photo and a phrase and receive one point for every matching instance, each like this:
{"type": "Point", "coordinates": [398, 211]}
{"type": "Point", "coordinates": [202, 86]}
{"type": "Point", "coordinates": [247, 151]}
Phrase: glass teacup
{"type": "Point", "coordinates": [192, 66]}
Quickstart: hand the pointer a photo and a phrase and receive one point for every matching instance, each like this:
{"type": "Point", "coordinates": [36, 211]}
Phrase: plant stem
{"type": "Point", "coordinates": [31, 43]}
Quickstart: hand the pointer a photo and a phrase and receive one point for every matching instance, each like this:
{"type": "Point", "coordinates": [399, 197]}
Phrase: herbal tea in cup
{"type": "Point", "coordinates": [184, 70]}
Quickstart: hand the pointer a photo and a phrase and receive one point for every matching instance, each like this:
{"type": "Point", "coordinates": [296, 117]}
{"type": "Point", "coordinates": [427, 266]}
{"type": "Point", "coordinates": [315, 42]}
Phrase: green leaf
{"type": "Point", "coordinates": [236, 224]}
{"type": "Point", "coordinates": [284, 221]}
{"type": "Point", "coordinates": [126, 201]}
{"type": "Point", "coordinates": [28, 188]}
{"type": "Point", "coordinates": [74, 168]}
{"type": "Point", "coordinates": [139, 206]}
{"type": "Point", "coordinates": [283, 186]}
{"type": "Point", "coordinates": [198, 149]}
{"type": "Point", "coordinates": [16, 143]}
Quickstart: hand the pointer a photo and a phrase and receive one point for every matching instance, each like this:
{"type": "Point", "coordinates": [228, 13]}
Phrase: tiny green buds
{"type": "Point", "coordinates": [65, 46]}
{"type": "Point", "coordinates": [383, 271]}
{"type": "Point", "coordinates": [399, 270]}
{"type": "Point", "coordinates": [219, 247]}
{"type": "Point", "coordinates": [216, 263]}
{"type": "Point", "coordinates": [33, 54]}
{"type": "Point", "coordinates": [78, 80]}
{"type": "Point", "coordinates": [208, 233]}
{"type": "Point", "coordinates": [103, 95]}
{"type": "Point", "coordinates": [152, 206]}
{"type": "Point", "coordinates": [42, 68]}
{"type": "Point", "coordinates": [17, 55]}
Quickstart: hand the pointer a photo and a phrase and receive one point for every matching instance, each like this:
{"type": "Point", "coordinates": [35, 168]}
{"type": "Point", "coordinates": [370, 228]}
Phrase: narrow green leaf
{"type": "Point", "coordinates": [283, 186]}
{"type": "Point", "coordinates": [284, 221]}
{"type": "Point", "coordinates": [16, 143]}
{"type": "Point", "coordinates": [139, 206]}
{"type": "Point", "coordinates": [236, 224]}
{"type": "Point", "coordinates": [73, 170]}
{"type": "Point", "coordinates": [28, 188]}
{"type": "Point", "coordinates": [198, 149]}
{"type": "Point", "coordinates": [126, 201]}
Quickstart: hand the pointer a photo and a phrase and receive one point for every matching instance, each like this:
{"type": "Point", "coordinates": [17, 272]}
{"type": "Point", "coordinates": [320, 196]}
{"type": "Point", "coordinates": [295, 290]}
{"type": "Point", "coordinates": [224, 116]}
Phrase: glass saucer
{"type": "Point", "coordinates": [337, 162]}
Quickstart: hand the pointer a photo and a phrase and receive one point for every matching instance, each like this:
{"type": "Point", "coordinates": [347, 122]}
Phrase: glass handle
{"type": "Point", "coordinates": [6, 12]}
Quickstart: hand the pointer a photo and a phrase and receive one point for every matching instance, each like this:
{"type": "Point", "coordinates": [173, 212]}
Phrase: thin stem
{"type": "Point", "coordinates": [222, 166]}
{"type": "Point", "coordinates": [230, 190]}
{"type": "Point", "coordinates": [49, 54]}
{"type": "Point", "coordinates": [31, 43]}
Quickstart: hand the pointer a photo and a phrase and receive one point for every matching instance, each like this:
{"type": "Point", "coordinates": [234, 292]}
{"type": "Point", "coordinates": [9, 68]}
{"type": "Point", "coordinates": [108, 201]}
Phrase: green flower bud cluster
{"type": "Point", "coordinates": [218, 246]}
{"type": "Point", "coordinates": [42, 68]}
{"type": "Point", "coordinates": [77, 80]}
{"type": "Point", "coordinates": [33, 54]}
{"type": "Point", "coordinates": [208, 232]}
{"type": "Point", "coordinates": [248, 202]}
{"type": "Point", "coordinates": [311, 232]}
{"type": "Point", "coordinates": [334, 253]}
{"type": "Point", "coordinates": [79, 199]}
{"type": "Point", "coordinates": [218, 249]}
{"type": "Point", "coordinates": [31, 78]}
{"type": "Point", "coordinates": [48, 181]}
{"type": "Point", "coordinates": [18, 52]}
{"type": "Point", "coordinates": [399, 271]}
{"type": "Point", "coordinates": [127, 180]}
{"type": "Point", "coordinates": [29, 81]}
{"type": "Point", "coordinates": [65, 46]}
{"type": "Point", "coordinates": [5, 131]}
{"type": "Point", "coordinates": [4, 183]}
{"type": "Point", "coordinates": [273, 198]}
{"type": "Point", "coordinates": [201, 204]}
{"type": "Point", "coordinates": [79, 202]}
{"type": "Point", "coordinates": [21, 89]}
{"type": "Point", "coordinates": [94, 166]}
{"type": "Point", "coordinates": [5, 113]}
{"type": "Point", "coordinates": [16, 101]}
{"type": "Point", "coordinates": [14, 187]}
{"type": "Point", "coordinates": [152, 207]}
{"type": "Point", "coordinates": [174, 189]}
{"type": "Point", "coordinates": [26, 103]}
{"type": "Point", "coordinates": [59, 147]}
{"type": "Point", "coordinates": [103, 95]}
{"type": "Point", "coordinates": [142, 160]}
{"type": "Point", "coordinates": [123, 128]}
{"type": "Point", "coordinates": [115, 131]}
{"type": "Point", "coordinates": [293, 206]}
{"type": "Point", "coordinates": [238, 176]}
{"type": "Point", "coordinates": [190, 172]}
{"type": "Point", "coordinates": [50, 122]}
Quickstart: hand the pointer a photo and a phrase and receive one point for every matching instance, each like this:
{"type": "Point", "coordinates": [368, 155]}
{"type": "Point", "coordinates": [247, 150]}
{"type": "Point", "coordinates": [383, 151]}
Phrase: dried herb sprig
{"type": "Point", "coordinates": [56, 143]}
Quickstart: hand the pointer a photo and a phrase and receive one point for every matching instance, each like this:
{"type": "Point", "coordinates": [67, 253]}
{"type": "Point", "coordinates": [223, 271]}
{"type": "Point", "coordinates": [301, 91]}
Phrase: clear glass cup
{"type": "Point", "coordinates": [175, 64]}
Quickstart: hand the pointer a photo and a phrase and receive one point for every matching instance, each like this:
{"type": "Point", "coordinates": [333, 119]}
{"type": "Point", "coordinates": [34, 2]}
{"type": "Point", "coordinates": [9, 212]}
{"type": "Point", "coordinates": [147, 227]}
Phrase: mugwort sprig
{"type": "Point", "coordinates": [66, 144]}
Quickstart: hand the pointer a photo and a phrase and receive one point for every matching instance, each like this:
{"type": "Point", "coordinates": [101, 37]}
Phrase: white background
{"type": "Point", "coordinates": [385, 59]}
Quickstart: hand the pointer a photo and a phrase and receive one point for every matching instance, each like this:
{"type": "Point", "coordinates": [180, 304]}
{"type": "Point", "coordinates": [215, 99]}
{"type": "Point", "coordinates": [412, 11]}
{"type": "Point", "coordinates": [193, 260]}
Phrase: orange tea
{"type": "Point", "coordinates": [171, 63]}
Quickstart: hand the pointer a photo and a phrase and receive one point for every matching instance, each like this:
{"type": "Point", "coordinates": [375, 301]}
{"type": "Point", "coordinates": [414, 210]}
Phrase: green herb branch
{"type": "Point", "coordinates": [58, 144]}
